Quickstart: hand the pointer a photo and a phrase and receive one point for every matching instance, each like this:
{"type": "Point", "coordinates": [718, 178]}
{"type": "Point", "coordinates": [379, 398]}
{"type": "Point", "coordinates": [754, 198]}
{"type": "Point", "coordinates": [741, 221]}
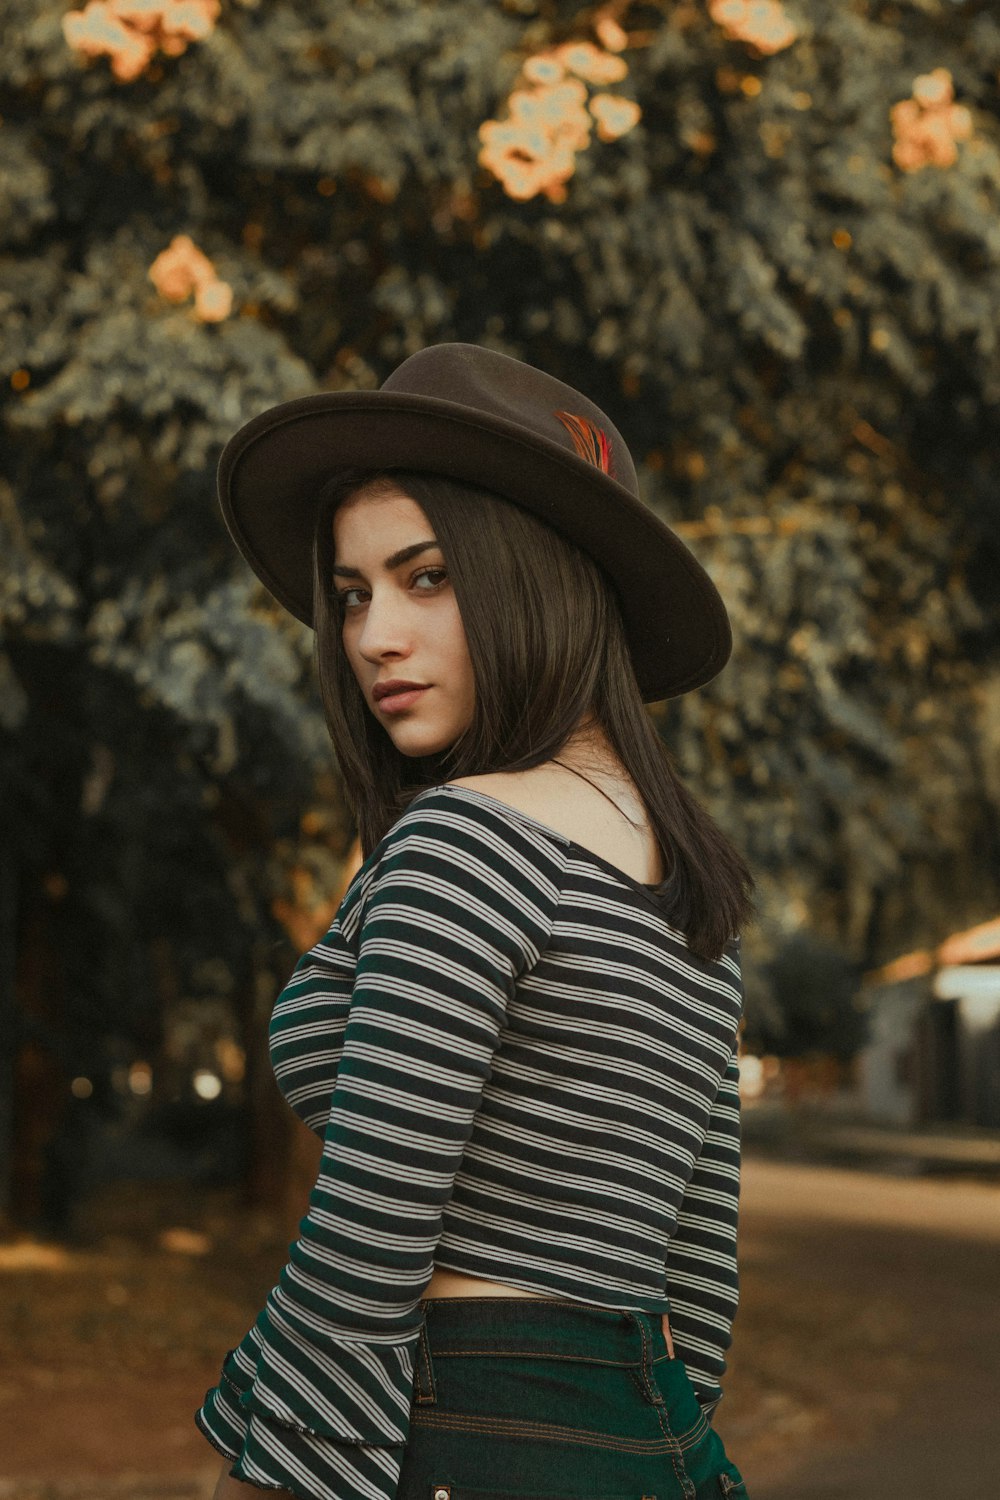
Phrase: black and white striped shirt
{"type": "Point", "coordinates": [520, 1072]}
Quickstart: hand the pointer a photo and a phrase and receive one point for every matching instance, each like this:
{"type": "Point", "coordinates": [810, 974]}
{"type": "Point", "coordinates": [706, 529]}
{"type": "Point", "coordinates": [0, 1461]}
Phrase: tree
{"type": "Point", "coordinates": [780, 282]}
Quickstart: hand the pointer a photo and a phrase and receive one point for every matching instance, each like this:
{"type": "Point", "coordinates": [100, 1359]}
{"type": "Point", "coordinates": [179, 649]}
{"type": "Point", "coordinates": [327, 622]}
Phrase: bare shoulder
{"type": "Point", "coordinates": [578, 810]}
{"type": "Point", "coordinates": [519, 789]}
{"type": "Point", "coordinates": [549, 795]}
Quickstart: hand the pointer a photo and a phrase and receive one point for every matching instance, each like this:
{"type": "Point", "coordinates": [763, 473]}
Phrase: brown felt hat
{"type": "Point", "coordinates": [476, 415]}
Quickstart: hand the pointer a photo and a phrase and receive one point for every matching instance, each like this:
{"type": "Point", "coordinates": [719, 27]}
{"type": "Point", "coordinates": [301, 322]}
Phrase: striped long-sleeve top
{"type": "Point", "coordinates": [520, 1072]}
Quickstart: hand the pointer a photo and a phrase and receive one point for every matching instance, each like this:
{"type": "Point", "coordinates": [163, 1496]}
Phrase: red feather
{"type": "Point", "coordinates": [589, 440]}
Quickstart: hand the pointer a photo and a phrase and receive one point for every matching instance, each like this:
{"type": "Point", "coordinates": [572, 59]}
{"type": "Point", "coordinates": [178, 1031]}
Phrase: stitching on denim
{"type": "Point", "coordinates": [497, 1353]}
{"type": "Point", "coordinates": [675, 1452]}
{"type": "Point", "coordinates": [637, 1380]}
{"type": "Point", "coordinates": [694, 1435]}
{"type": "Point", "coordinates": [541, 1301]}
{"type": "Point", "coordinates": [676, 1458]}
{"type": "Point", "coordinates": [653, 1391]}
{"type": "Point", "coordinates": [688, 1439]}
{"type": "Point", "coordinates": [472, 1418]}
{"type": "Point", "coordinates": [426, 1389]}
{"type": "Point", "coordinates": [513, 1427]}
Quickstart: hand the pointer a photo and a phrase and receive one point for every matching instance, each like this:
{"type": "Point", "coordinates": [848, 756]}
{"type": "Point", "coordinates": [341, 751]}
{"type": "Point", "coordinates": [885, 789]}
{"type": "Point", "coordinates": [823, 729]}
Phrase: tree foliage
{"type": "Point", "coordinates": [782, 286]}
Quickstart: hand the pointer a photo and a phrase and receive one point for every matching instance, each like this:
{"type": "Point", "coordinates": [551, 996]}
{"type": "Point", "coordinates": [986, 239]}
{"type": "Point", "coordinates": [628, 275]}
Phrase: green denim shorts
{"type": "Point", "coordinates": [546, 1399]}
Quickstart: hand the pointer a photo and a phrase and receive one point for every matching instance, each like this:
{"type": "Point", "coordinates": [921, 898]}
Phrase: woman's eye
{"type": "Point", "coordinates": [343, 594]}
{"type": "Point", "coordinates": [425, 573]}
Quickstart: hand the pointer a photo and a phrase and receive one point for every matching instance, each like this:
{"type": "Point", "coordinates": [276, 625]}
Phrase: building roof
{"type": "Point", "coordinates": [975, 945]}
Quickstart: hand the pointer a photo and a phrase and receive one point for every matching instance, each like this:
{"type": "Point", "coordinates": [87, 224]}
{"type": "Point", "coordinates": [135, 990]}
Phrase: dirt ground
{"type": "Point", "coordinates": [863, 1368]}
{"type": "Point", "coordinates": [865, 1361]}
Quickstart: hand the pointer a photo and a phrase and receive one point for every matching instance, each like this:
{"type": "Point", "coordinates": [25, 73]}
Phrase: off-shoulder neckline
{"type": "Point", "coordinates": [649, 891]}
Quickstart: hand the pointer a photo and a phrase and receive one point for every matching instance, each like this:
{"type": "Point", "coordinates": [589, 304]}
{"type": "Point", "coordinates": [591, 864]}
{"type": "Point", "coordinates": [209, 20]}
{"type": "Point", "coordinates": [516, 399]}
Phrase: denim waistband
{"type": "Point", "coordinates": [544, 1325]}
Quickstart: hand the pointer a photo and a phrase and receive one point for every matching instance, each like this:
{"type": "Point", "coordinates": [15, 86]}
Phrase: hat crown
{"type": "Point", "coordinates": [508, 390]}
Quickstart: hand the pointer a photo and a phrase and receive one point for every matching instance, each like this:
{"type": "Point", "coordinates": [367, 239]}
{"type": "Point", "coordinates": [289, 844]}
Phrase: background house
{"type": "Point", "coordinates": [933, 1050]}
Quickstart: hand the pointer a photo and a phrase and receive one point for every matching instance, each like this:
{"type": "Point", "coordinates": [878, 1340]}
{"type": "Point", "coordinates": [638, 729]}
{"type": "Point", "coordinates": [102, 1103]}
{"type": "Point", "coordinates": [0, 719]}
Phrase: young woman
{"type": "Point", "coordinates": [517, 1273]}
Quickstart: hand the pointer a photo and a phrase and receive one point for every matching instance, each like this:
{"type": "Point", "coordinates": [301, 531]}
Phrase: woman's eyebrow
{"type": "Point", "coordinates": [404, 554]}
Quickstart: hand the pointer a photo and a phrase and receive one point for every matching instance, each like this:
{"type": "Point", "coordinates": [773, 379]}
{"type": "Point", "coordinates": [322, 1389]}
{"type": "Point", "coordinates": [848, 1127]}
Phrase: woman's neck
{"type": "Point", "coordinates": [589, 749]}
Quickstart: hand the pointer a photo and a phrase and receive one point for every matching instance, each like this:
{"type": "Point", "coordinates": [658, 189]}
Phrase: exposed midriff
{"type": "Point", "coordinates": [445, 1283]}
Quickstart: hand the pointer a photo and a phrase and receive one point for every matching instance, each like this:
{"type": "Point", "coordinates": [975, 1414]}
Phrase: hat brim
{"type": "Point", "coordinates": [272, 469]}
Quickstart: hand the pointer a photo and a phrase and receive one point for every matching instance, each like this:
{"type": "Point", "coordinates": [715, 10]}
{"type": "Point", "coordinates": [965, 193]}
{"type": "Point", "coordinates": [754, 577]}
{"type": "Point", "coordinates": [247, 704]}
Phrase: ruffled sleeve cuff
{"type": "Point", "coordinates": [220, 1417]}
{"type": "Point", "coordinates": [325, 1423]}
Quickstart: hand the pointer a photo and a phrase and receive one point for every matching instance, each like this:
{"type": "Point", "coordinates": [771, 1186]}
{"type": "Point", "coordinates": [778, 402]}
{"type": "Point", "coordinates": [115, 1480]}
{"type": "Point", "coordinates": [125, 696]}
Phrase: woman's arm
{"type": "Point", "coordinates": [702, 1276]}
{"type": "Point", "coordinates": [318, 1393]}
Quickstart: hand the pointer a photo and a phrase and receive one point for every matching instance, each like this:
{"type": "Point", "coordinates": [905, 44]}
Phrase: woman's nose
{"type": "Point", "coordinates": [385, 624]}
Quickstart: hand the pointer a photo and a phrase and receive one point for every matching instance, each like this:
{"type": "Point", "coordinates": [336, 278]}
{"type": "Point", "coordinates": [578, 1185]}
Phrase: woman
{"type": "Point", "coordinates": [518, 1040]}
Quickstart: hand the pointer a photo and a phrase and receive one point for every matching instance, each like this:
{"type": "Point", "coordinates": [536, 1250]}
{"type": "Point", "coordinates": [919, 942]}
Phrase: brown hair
{"type": "Point", "coordinates": [547, 646]}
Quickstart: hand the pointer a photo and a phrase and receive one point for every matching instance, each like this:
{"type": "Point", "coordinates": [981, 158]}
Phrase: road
{"type": "Point", "coordinates": [864, 1365]}
{"type": "Point", "coordinates": [865, 1362]}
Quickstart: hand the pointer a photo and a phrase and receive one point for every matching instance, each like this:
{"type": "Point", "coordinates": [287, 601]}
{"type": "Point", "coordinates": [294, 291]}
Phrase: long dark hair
{"type": "Point", "coordinates": [547, 646]}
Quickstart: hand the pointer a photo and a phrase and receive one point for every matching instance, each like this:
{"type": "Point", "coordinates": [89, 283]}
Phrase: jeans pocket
{"type": "Point", "coordinates": [712, 1471]}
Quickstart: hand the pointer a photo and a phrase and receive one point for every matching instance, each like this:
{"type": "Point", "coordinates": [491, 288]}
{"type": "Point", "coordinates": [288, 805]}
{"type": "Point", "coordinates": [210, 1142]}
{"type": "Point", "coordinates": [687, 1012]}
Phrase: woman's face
{"type": "Point", "coordinates": [400, 619]}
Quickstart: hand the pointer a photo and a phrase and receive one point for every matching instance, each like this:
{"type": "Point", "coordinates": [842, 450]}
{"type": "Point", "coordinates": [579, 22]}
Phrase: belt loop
{"type": "Point", "coordinates": [424, 1371]}
{"type": "Point", "coordinates": [651, 1390]}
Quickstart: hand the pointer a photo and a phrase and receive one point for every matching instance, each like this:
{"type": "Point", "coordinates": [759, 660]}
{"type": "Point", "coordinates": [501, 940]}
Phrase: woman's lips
{"type": "Point", "coordinates": [394, 703]}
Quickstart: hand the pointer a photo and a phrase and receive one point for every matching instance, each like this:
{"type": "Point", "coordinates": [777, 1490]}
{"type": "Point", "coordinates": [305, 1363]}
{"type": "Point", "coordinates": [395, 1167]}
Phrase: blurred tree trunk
{"type": "Point", "coordinates": [39, 1084]}
{"type": "Point", "coordinates": [9, 1029]}
{"type": "Point", "coordinates": [270, 1120]}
